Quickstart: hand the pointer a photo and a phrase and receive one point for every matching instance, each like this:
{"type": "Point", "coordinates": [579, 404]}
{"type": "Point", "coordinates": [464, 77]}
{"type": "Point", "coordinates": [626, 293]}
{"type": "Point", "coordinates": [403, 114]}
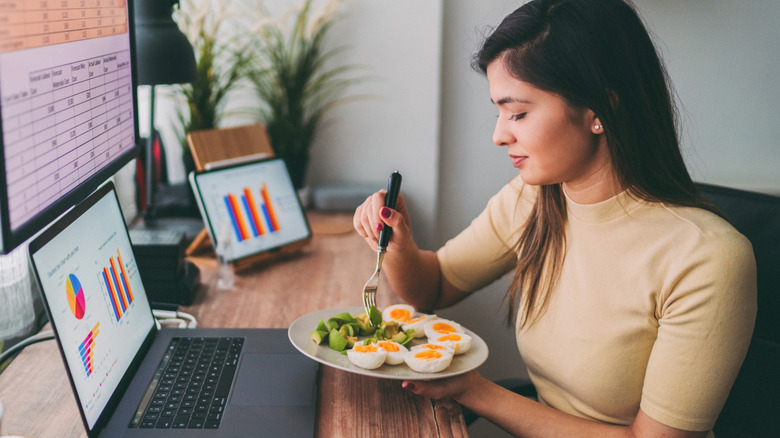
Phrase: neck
{"type": "Point", "coordinates": [597, 187]}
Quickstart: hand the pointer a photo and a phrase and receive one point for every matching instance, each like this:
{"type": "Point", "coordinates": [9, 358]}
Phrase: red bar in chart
{"type": "Point", "coordinates": [86, 350]}
{"type": "Point", "coordinates": [268, 209]}
{"type": "Point", "coordinates": [115, 303]}
{"type": "Point", "coordinates": [118, 286]}
{"type": "Point", "coordinates": [251, 208]}
{"type": "Point", "coordinates": [250, 218]}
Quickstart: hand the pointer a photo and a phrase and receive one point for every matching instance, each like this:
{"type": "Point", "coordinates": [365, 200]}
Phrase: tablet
{"type": "Point", "coordinates": [250, 208]}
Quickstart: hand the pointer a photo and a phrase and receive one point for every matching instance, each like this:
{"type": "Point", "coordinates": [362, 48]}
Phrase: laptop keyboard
{"type": "Point", "coordinates": [191, 385]}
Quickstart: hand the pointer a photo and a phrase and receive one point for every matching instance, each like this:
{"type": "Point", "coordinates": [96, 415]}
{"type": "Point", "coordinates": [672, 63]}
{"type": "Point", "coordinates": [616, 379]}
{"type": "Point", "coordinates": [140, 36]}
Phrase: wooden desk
{"type": "Point", "coordinates": [330, 272]}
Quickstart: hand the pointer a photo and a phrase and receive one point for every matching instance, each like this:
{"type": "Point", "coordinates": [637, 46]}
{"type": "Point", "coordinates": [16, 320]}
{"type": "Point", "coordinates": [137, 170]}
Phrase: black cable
{"type": "Point", "coordinates": [42, 336]}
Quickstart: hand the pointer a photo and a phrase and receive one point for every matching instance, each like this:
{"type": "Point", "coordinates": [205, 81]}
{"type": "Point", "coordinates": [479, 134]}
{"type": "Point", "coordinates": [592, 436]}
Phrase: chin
{"type": "Point", "coordinates": [531, 181]}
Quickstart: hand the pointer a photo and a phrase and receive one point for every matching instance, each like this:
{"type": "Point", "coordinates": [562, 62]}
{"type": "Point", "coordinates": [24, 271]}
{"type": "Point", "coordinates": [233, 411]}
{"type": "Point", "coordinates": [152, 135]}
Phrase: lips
{"type": "Point", "coordinates": [517, 161]}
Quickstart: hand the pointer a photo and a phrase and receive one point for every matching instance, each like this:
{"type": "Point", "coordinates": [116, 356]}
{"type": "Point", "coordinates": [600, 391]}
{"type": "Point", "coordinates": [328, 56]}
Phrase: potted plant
{"type": "Point", "coordinates": [295, 83]}
{"type": "Point", "coordinates": [223, 60]}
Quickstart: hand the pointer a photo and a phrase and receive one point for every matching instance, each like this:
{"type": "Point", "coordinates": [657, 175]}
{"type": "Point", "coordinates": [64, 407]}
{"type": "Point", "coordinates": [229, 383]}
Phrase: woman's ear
{"type": "Point", "coordinates": [596, 127]}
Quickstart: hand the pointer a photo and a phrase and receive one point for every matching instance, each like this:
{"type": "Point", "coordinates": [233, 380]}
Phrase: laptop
{"type": "Point", "coordinates": [131, 378]}
{"type": "Point", "coordinates": [251, 209]}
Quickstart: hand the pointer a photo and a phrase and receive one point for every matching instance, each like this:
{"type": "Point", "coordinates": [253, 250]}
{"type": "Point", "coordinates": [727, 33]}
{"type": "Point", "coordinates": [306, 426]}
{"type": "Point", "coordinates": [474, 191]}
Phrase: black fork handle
{"type": "Point", "coordinates": [393, 187]}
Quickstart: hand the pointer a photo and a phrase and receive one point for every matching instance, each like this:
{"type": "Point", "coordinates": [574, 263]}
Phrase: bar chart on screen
{"type": "Point", "coordinates": [251, 216]}
{"type": "Point", "coordinates": [86, 350]}
{"type": "Point", "coordinates": [116, 282]}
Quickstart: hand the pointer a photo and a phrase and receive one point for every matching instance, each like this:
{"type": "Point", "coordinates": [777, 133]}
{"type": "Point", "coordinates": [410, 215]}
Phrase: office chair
{"type": "Point", "coordinates": [753, 406]}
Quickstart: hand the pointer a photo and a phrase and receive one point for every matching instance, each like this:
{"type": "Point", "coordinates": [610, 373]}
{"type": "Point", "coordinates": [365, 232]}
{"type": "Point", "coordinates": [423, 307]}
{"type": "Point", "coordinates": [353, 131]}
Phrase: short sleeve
{"type": "Point", "coordinates": [705, 321]}
{"type": "Point", "coordinates": [484, 251]}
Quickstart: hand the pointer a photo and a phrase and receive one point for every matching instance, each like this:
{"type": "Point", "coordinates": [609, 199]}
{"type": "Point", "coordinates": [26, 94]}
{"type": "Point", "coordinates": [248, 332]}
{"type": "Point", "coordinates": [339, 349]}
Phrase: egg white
{"type": "Point", "coordinates": [427, 360]}
{"type": "Point", "coordinates": [406, 312]}
{"type": "Point", "coordinates": [393, 357]}
{"type": "Point", "coordinates": [417, 323]}
{"type": "Point", "coordinates": [435, 328]}
{"type": "Point", "coordinates": [460, 342]}
{"type": "Point", "coordinates": [429, 346]}
{"type": "Point", "coordinates": [367, 356]}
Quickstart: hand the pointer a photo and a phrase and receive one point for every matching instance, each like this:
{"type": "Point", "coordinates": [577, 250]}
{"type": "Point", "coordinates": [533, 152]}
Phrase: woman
{"type": "Point", "coordinates": [634, 302]}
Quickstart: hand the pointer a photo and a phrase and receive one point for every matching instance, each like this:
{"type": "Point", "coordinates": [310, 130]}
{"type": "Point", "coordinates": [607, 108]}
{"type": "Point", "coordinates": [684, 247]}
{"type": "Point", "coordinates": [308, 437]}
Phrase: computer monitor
{"type": "Point", "coordinates": [67, 106]}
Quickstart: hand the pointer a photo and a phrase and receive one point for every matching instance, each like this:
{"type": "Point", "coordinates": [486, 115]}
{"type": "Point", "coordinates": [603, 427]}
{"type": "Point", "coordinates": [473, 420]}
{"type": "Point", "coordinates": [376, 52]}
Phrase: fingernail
{"type": "Point", "coordinates": [379, 226]}
{"type": "Point", "coordinates": [385, 212]}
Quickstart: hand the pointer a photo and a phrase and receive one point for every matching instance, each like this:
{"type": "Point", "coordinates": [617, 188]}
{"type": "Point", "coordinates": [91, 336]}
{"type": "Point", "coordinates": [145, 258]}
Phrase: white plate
{"type": "Point", "coordinates": [302, 327]}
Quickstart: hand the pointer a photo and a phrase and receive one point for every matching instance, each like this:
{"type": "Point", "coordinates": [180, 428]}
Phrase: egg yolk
{"type": "Point", "coordinates": [419, 318]}
{"type": "Point", "coordinates": [433, 347]}
{"type": "Point", "coordinates": [427, 355]}
{"type": "Point", "coordinates": [443, 327]}
{"type": "Point", "coordinates": [400, 314]}
{"type": "Point", "coordinates": [450, 337]}
{"type": "Point", "coordinates": [388, 347]}
{"type": "Point", "coordinates": [365, 348]}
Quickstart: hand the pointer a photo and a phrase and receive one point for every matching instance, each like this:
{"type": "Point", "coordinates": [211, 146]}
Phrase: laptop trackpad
{"type": "Point", "coordinates": [271, 379]}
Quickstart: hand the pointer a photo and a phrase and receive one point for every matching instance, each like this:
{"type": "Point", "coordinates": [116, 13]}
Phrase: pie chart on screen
{"type": "Point", "coordinates": [75, 296]}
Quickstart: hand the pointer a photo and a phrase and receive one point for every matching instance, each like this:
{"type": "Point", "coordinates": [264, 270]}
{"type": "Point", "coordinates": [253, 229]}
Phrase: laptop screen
{"type": "Point", "coordinates": [94, 297]}
{"type": "Point", "coordinates": [253, 204]}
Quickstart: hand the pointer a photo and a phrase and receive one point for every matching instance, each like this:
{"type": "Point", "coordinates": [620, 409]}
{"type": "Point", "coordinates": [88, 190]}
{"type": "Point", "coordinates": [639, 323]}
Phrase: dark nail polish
{"type": "Point", "coordinates": [385, 212]}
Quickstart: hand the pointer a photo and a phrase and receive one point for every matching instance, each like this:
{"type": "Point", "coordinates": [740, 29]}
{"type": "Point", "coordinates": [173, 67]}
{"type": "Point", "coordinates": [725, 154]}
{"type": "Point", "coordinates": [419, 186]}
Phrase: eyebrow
{"type": "Point", "coordinates": [506, 100]}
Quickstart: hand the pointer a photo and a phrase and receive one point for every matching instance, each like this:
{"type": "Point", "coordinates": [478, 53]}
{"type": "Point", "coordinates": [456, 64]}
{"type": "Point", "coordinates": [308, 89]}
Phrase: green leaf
{"type": "Point", "coordinates": [336, 340]}
{"type": "Point", "coordinates": [375, 316]}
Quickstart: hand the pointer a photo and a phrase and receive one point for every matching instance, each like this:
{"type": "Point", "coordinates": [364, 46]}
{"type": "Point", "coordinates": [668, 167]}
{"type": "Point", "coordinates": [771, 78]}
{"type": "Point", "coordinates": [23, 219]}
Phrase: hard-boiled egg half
{"type": "Point", "coordinates": [395, 352]}
{"type": "Point", "coordinates": [367, 356]}
{"type": "Point", "coordinates": [399, 313]}
{"type": "Point", "coordinates": [417, 323]}
{"type": "Point", "coordinates": [429, 358]}
{"type": "Point", "coordinates": [460, 342]}
{"type": "Point", "coordinates": [439, 327]}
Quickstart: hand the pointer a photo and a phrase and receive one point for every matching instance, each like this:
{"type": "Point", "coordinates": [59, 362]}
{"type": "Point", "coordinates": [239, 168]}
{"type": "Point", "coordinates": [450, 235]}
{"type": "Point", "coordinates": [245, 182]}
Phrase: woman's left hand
{"type": "Point", "coordinates": [453, 387]}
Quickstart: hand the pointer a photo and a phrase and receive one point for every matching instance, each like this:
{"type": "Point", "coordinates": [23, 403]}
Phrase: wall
{"type": "Point", "coordinates": [723, 59]}
{"type": "Point", "coordinates": [394, 122]}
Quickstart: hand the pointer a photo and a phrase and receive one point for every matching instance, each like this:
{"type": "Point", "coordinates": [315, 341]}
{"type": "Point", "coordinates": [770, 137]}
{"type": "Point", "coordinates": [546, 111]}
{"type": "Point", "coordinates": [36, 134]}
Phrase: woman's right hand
{"type": "Point", "coordinates": [372, 215]}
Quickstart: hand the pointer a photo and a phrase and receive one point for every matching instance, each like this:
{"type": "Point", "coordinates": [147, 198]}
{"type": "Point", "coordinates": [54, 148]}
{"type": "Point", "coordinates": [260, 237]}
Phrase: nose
{"type": "Point", "coordinates": [501, 135]}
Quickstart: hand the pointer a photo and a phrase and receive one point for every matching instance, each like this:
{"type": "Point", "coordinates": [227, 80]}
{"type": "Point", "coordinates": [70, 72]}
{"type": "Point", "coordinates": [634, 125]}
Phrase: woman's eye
{"type": "Point", "coordinates": [516, 117]}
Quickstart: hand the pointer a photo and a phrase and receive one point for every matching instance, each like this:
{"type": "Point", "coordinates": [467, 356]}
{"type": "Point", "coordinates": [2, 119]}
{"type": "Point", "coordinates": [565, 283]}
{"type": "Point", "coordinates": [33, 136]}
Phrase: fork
{"type": "Point", "coordinates": [369, 289]}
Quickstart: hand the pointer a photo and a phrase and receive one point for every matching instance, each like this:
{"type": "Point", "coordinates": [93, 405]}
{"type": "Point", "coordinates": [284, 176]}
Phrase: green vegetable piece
{"type": "Point", "coordinates": [351, 341]}
{"type": "Point", "coordinates": [374, 316]}
{"type": "Point", "coordinates": [340, 319]}
{"type": "Point", "coordinates": [322, 327]}
{"type": "Point", "coordinates": [318, 336]}
{"type": "Point", "coordinates": [409, 336]}
{"type": "Point", "coordinates": [399, 337]}
{"type": "Point", "coordinates": [366, 329]}
{"type": "Point", "coordinates": [336, 340]}
{"type": "Point", "coordinates": [347, 330]}
{"type": "Point", "coordinates": [388, 329]}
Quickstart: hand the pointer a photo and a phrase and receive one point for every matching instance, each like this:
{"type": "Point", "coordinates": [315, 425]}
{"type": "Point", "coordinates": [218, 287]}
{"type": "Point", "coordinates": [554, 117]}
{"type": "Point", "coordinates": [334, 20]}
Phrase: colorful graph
{"type": "Point", "coordinates": [117, 285]}
{"type": "Point", "coordinates": [86, 350]}
{"type": "Point", "coordinates": [75, 296]}
{"type": "Point", "coordinates": [248, 217]}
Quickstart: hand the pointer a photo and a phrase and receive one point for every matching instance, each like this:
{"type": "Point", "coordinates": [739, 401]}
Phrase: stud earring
{"type": "Point", "coordinates": [596, 127]}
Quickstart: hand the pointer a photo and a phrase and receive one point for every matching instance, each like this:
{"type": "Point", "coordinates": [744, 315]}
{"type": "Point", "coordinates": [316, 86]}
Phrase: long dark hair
{"type": "Point", "coordinates": [596, 54]}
